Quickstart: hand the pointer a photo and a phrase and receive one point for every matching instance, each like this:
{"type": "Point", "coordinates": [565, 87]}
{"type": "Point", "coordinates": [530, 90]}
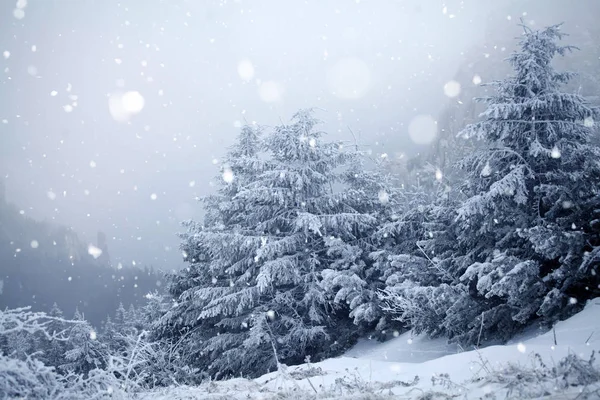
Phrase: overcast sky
{"type": "Point", "coordinates": [73, 150]}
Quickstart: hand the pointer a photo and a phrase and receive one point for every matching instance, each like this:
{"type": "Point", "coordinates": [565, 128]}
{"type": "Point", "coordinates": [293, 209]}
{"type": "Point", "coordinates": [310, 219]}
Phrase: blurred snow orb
{"type": "Point", "coordinates": [422, 129]}
{"type": "Point", "coordinates": [51, 195]}
{"type": "Point", "coordinates": [588, 122]}
{"type": "Point", "coordinates": [34, 244]}
{"type": "Point", "coordinates": [384, 197]}
{"type": "Point", "coordinates": [94, 251]}
{"type": "Point", "coordinates": [123, 105]}
{"type": "Point", "coordinates": [228, 175]}
{"type": "Point", "coordinates": [349, 78]}
{"type": "Point", "coordinates": [6, 54]}
{"type": "Point", "coordinates": [153, 196]}
{"type": "Point", "coordinates": [133, 102]}
{"type": "Point", "coordinates": [53, 93]}
{"type": "Point", "coordinates": [32, 70]}
{"type": "Point", "coordinates": [438, 174]}
{"type": "Point", "coordinates": [452, 89]}
{"type": "Point", "coordinates": [93, 335]}
{"type": "Point", "coordinates": [68, 108]}
{"type": "Point", "coordinates": [487, 170]}
{"type": "Point", "coordinates": [270, 91]}
{"type": "Point", "coordinates": [246, 70]}
{"type": "Point", "coordinates": [19, 13]}
{"type": "Point", "coordinates": [521, 348]}
{"type": "Point", "coordinates": [271, 314]}
{"type": "Point", "coordinates": [476, 80]}
{"type": "Point", "coordinates": [21, 3]}
{"type": "Point", "coordinates": [92, 164]}
{"type": "Point", "coordinates": [555, 153]}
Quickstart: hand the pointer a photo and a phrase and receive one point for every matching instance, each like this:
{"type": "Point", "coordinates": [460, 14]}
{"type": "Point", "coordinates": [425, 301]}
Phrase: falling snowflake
{"type": "Point", "coordinates": [246, 70]}
{"type": "Point", "coordinates": [133, 102]}
{"type": "Point", "coordinates": [384, 197]}
{"type": "Point", "coordinates": [19, 13]}
{"type": "Point", "coordinates": [422, 129]}
{"type": "Point", "coordinates": [94, 251]}
{"type": "Point", "coordinates": [228, 175]}
{"type": "Point", "coordinates": [555, 153]}
{"type": "Point", "coordinates": [521, 348]}
{"type": "Point", "coordinates": [487, 170]}
{"type": "Point", "coordinates": [34, 244]}
{"type": "Point", "coordinates": [452, 89]}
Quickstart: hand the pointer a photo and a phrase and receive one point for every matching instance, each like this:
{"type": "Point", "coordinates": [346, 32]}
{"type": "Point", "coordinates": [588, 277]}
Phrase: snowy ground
{"type": "Point", "coordinates": [415, 367]}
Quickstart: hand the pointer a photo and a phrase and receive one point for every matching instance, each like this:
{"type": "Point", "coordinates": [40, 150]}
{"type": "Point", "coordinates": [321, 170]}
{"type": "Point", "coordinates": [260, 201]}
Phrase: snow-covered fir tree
{"type": "Point", "coordinates": [416, 251]}
{"type": "Point", "coordinates": [253, 294]}
{"type": "Point", "coordinates": [54, 349]}
{"type": "Point", "coordinates": [354, 278]}
{"type": "Point", "coordinates": [522, 234]}
{"type": "Point", "coordinates": [210, 274]}
{"type": "Point", "coordinates": [84, 352]}
{"type": "Point", "coordinates": [531, 193]}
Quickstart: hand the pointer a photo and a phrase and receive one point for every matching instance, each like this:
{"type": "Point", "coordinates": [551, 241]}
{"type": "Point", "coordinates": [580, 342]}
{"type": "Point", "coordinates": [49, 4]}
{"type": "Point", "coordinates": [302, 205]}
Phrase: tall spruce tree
{"type": "Point", "coordinates": [531, 193]}
{"type": "Point", "coordinates": [524, 243]}
{"type": "Point", "coordinates": [252, 296]}
{"type": "Point", "coordinates": [354, 278]}
{"type": "Point", "coordinates": [417, 251]}
{"type": "Point", "coordinates": [218, 253]}
{"type": "Point", "coordinates": [84, 352]}
{"type": "Point", "coordinates": [53, 348]}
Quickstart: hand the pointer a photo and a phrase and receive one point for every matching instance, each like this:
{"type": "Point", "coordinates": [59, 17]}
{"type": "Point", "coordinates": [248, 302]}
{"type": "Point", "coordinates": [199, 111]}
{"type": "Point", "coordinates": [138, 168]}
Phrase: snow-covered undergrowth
{"type": "Point", "coordinates": [555, 364]}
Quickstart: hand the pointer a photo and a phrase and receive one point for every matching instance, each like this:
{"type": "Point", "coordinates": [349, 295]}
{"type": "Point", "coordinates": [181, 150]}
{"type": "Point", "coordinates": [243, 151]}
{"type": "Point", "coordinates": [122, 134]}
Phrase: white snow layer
{"type": "Point", "coordinates": [374, 370]}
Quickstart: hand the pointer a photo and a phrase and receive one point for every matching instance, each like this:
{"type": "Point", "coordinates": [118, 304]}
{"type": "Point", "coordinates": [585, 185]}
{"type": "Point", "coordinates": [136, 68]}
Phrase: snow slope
{"type": "Point", "coordinates": [391, 368]}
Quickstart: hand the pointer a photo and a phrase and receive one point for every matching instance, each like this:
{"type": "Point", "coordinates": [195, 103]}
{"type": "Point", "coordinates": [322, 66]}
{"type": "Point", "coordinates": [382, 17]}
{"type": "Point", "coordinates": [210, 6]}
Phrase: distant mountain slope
{"type": "Point", "coordinates": [42, 263]}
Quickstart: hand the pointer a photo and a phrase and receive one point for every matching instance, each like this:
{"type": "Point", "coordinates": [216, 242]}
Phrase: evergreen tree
{"type": "Point", "coordinates": [84, 352]}
{"type": "Point", "coordinates": [54, 348]}
{"type": "Point", "coordinates": [531, 193]}
{"type": "Point", "coordinates": [210, 274]}
{"type": "Point", "coordinates": [254, 288]}
{"type": "Point", "coordinates": [522, 245]}
{"type": "Point", "coordinates": [354, 278]}
{"type": "Point", "coordinates": [417, 251]}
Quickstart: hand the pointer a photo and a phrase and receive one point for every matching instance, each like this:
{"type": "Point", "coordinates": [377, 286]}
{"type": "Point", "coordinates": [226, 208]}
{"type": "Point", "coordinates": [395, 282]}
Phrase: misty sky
{"type": "Point", "coordinates": [202, 68]}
